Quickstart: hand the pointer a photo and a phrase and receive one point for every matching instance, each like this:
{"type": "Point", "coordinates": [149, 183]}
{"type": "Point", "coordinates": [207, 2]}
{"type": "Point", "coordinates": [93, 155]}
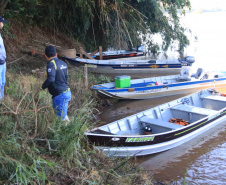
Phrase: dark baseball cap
{"type": "Point", "coordinates": [50, 51]}
{"type": "Point", "coordinates": [3, 20]}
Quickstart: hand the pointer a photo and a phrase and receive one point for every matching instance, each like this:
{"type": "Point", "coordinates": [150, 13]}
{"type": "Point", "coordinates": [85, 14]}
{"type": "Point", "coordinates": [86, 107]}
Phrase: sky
{"type": "Point", "coordinates": [208, 4]}
{"type": "Point", "coordinates": [210, 28]}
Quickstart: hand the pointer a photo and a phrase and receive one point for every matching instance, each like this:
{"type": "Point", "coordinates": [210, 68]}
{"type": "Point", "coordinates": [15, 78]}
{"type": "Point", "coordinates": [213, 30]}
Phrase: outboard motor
{"type": "Point", "coordinates": [188, 61]}
{"type": "Point", "coordinates": [141, 48]}
{"type": "Point", "coordinates": [185, 73]}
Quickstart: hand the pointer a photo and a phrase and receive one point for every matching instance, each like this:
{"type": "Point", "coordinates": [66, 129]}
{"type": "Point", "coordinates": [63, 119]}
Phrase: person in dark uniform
{"type": "Point", "coordinates": [56, 82]}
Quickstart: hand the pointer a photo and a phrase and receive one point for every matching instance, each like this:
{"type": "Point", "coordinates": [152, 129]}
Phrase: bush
{"type": "Point", "coordinates": [37, 148]}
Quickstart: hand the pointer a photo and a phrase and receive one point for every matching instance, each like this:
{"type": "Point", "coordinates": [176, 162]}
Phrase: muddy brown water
{"type": "Point", "coordinates": [201, 161]}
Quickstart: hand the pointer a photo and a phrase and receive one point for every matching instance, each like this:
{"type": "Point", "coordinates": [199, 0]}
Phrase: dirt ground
{"type": "Point", "coordinates": [25, 46]}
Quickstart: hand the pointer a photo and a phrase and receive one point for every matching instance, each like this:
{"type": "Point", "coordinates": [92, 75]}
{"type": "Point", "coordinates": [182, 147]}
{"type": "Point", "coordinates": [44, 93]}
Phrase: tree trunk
{"type": "Point", "coordinates": [3, 4]}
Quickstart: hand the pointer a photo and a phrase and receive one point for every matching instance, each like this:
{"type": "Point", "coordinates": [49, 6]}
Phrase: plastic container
{"type": "Point", "coordinates": [122, 81]}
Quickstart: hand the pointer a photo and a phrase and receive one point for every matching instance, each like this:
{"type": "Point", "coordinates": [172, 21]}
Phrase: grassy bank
{"type": "Point", "coordinates": [37, 148]}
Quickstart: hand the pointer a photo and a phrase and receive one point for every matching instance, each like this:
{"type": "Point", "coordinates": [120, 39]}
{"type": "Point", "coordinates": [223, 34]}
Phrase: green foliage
{"type": "Point", "coordinates": [19, 165]}
{"type": "Point", "coordinates": [29, 128]}
{"type": "Point", "coordinates": [114, 23]}
{"type": "Point", "coordinates": [185, 175]}
{"type": "Point", "coordinates": [23, 10]}
{"type": "Point", "coordinates": [100, 79]}
{"type": "Point", "coordinates": [36, 147]}
{"type": "Point", "coordinates": [72, 141]}
{"type": "Point", "coordinates": [31, 174]}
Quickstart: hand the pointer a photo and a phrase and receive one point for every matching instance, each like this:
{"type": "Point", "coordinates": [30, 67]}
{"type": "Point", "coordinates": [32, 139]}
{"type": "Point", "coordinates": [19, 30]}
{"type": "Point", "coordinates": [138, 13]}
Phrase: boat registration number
{"type": "Point", "coordinates": [127, 65]}
{"type": "Point", "coordinates": [140, 139]}
{"type": "Point", "coordinates": [149, 91]}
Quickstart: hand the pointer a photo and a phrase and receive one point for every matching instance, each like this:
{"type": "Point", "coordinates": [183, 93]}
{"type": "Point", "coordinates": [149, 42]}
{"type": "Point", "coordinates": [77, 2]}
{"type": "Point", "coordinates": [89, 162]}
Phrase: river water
{"type": "Point", "coordinates": [202, 160]}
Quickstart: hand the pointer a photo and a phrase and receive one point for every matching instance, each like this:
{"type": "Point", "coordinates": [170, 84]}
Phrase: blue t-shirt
{"type": "Point", "coordinates": [2, 51]}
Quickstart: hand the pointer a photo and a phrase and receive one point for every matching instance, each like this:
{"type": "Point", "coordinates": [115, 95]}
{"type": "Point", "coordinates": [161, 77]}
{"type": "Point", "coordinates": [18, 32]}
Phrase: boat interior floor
{"type": "Point", "coordinates": [160, 119]}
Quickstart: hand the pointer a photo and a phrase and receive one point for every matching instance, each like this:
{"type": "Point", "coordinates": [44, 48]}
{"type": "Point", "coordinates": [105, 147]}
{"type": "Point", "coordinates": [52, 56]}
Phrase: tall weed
{"type": "Point", "coordinates": [36, 146]}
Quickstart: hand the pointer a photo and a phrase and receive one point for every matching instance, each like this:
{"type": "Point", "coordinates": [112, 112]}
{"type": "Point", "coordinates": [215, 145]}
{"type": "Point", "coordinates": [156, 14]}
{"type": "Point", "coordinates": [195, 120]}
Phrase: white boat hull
{"type": "Point", "coordinates": [162, 127]}
{"type": "Point", "coordinates": [110, 70]}
{"type": "Point", "coordinates": [168, 66]}
{"type": "Point", "coordinates": [152, 149]}
{"type": "Point", "coordinates": [157, 93]}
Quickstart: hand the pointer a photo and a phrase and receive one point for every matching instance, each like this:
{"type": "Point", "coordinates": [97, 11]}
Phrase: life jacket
{"type": "Point", "coordinates": [179, 121]}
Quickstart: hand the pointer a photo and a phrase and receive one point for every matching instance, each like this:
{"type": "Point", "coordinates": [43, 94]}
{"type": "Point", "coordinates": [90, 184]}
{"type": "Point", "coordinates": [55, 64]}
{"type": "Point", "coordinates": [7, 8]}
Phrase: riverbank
{"type": "Point", "coordinates": [35, 146]}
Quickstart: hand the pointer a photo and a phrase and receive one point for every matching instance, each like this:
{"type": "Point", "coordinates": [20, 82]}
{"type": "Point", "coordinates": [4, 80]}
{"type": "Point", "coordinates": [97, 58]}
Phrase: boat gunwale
{"type": "Point", "coordinates": [163, 133]}
{"type": "Point", "coordinates": [214, 115]}
{"type": "Point", "coordinates": [125, 62]}
{"type": "Point", "coordinates": [185, 83]}
{"type": "Point", "coordinates": [171, 143]}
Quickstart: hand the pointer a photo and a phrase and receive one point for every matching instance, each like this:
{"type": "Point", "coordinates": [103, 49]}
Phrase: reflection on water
{"type": "Point", "coordinates": [210, 168]}
{"type": "Point", "coordinates": [199, 161]}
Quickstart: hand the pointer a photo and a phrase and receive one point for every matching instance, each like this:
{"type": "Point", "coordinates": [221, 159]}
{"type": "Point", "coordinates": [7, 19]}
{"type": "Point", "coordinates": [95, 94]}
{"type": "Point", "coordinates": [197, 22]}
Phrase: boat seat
{"type": "Point", "coordinates": [215, 98]}
{"type": "Point", "coordinates": [214, 102]}
{"type": "Point", "coordinates": [192, 109]}
{"type": "Point", "coordinates": [199, 74]}
{"type": "Point", "coordinates": [160, 123]}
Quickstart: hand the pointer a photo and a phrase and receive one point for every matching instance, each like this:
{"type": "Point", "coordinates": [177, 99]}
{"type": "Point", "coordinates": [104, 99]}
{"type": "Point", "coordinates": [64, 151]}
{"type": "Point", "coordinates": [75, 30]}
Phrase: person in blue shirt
{"type": "Point", "coordinates": [2, 60]}
{"type": "Point", "coordinates": [56, 82]}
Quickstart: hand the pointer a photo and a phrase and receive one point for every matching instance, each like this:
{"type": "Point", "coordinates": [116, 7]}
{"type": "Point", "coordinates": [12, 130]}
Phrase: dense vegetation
{"type": "Point", "coordinates": [37, 148]}
{"type": "Point", "coordinates": [110, 23]}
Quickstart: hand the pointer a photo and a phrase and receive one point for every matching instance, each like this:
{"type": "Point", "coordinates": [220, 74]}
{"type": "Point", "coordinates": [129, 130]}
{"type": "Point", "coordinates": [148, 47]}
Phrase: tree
{"type": "Point", "coordinates": [3, 4]}
{"type": "Point", "coordinates": [120, 23]}
{"type": "Point", "coordinates": [111, 23]}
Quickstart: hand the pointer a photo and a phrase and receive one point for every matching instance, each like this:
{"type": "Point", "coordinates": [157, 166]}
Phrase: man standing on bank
{"type": "Point", "coordinates": [2, 60]}
{"type": "Point", "coordinates": [56, 82]}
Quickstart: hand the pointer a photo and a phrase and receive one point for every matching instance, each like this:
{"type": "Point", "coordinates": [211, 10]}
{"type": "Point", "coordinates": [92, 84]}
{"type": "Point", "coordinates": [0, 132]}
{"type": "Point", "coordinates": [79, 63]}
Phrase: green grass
{"type": "Point", "coordinates": [36, 147]}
